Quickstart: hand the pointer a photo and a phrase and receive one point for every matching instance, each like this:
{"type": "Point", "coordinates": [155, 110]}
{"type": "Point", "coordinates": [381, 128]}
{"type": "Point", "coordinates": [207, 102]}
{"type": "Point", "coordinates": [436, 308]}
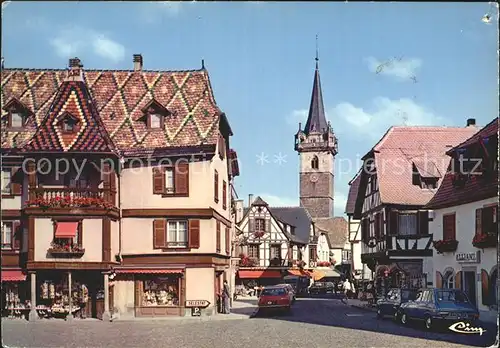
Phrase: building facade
{"type": "Point", "coordinates": [398, 178]}
{"type": "Point", "coordinates": [126, 195]}
{"type": "Point", "coordinates": [465, 223]}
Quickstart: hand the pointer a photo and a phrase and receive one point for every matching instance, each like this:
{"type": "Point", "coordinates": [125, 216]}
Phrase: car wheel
{"type": "Point", "coordinates": [428, 323]}
{"type": "Point", "coordinates": [379, 313]}
{"type": "Point", "coordinates": [403, 319]}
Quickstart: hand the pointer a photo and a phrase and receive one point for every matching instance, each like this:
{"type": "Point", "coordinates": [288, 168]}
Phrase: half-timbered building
{"type": "Point", "coordinates": [465, 224]}
{"type": "Point", "coordinates": [400, 174]}
{"type": "Point", "coordinates": [116, 185]}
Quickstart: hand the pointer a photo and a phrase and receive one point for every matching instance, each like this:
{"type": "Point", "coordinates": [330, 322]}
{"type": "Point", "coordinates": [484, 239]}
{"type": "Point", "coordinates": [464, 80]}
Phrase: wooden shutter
{"type": "Point", "coordinates": [449, 232]}
{"type": "Point", "coordinates": [216, 187]}
{"type": "Point", "coordinates": [16, 235]}
{"type": "Point", "coordinates": [227, 239]}
{"type": "Point", "coordinates": [159, 233]}
{"type": "Point", "coordinates": [423, 222]}
{"type": "Point", "coordinates": [393, 222]}
{"type": "Point", "coordinates": [15, 181]}
{"type": "Point", "coordinates": [439, 280]}
{"type": "Point", "coordinates": [377, 226]}
{"type": "Point", "coordinates": [290, 253]}
{"type": "Point", "coordinates": [251, 225]}
{"type": "Point", "coordinates": [268, 225]}
{"type": "Point", "coordinates": [479, 225]}
{"type": "Point", "coordinates": [224, 194]}
{"type": "Point", "coordinates": [194, 234]}
{"type": "Point", "coordinates": [485, 288]}
{"type": "Point", "coordinates": [458, 280]}
{"type": "Point", "coordinates": [217, 243]}
{"type": "Point", "coordinates": [181, 179]}
{"type": "Point", "coordinates": [158, 180]}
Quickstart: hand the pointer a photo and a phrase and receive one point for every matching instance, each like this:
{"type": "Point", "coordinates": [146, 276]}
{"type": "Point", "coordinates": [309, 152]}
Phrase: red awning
{"type": "Point", "coordinates": [259, 274]}
{"type": "Point", "coordinates": [13, 276]}
{"type": "Point", "coordinates": [66, 229]}
{"type": "Point", "coordinates": [148, 271]}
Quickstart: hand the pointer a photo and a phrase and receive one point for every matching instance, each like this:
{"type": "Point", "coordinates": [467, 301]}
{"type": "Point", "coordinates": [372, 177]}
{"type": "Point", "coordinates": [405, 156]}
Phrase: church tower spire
{"type": "Point", "coordinates": [317, 147]}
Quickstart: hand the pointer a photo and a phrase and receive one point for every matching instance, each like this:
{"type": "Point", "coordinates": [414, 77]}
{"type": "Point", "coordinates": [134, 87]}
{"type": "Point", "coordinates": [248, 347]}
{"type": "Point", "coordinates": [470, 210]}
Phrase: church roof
{"type": "Point", "coordinates": [316, 120]}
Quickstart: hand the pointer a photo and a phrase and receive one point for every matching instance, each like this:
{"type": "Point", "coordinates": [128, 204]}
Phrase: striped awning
{"type": "Point", "coordinates": [148, 271]}
{"type": "Point", "coordinates": [13, 276]}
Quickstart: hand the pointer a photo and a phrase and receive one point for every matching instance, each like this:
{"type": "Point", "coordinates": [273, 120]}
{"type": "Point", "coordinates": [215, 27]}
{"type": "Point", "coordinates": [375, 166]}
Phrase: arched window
{"type": "Point", "coordinates": [315, 162]}
{"type": "Point", "coordinates": [449, 280]}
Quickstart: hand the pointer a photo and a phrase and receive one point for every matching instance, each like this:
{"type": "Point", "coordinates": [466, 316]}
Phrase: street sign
{"type": "Point", "coordinates": [197, 303]}
{"type": "Point", "coordinates": [195, 312]}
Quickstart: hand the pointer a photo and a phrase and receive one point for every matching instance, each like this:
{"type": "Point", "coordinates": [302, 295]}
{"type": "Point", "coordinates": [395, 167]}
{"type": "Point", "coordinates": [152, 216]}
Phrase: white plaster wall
{"type": "Point", "coordinates": [124, 296]}
{"type": "Point", "coordinates": [200, 284]}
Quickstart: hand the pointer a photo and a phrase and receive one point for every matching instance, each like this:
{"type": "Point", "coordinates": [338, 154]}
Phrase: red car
{"type": "Point", "coordinates": [275, 297]}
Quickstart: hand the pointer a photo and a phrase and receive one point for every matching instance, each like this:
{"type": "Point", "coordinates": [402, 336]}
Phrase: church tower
{"type": "Point", "coordinates": [317, 147]}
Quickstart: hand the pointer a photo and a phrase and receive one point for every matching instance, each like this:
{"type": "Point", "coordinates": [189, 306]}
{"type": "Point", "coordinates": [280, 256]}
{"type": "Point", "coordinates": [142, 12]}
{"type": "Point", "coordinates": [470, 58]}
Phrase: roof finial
{"type": "Point", "coordinates": [203, 64]}
{"type": "Point", "coordinates": [317, 52]}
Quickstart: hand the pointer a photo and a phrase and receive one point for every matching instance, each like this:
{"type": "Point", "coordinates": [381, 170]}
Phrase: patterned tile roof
{"type": "Point", "coordinates": [403, 147]}
{"type": "Point", "coordinates": [353, 193]}
{"type": "Point", "coordinates": [119, 97]}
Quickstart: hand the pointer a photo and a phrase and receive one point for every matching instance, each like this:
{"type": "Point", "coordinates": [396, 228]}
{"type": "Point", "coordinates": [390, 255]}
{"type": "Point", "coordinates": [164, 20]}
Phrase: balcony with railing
{"type": "Point", "coordinates": [49, 198]}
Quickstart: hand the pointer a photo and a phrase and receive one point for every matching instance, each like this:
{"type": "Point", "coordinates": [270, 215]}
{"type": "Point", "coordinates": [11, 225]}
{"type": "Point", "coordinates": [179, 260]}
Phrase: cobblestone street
{"type": "Point", "coordinates": [313, 323]}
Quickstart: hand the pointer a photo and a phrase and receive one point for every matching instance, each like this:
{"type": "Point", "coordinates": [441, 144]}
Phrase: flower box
{"type": "Point", "coordinates": [69, 202]}
{"type": "Point", "coordinates": [324, 264]}
{"type": "Point", "coordinates": [63, 253]}
{"type": "Point", "coordinates": [485, 240]}
{"type": "Point", "coordinates": [258, 234]}
{"type": "Point", "coordinates": [446, 245]}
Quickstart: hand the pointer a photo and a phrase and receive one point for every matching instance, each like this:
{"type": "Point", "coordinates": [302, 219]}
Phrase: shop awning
{"type": "Point", "coordinates": [13, 276]}
{"type": "Point", "coordinates": [259, 274]}
{"type": "Point", "coordinates": [298, 272]}
{"type": "Point", "coordinates": [317, 275]}
{"type": "Point", "coordinates": [66, 229]}
{"type": "Point", "coordinates": [148, 271]}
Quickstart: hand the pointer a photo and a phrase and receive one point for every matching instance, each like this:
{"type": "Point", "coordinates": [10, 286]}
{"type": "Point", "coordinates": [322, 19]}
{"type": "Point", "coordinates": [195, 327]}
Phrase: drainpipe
{"type": "Point", "coordinates": [121, 162]}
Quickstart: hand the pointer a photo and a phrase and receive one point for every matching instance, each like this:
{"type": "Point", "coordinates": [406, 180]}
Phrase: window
{"type": "Point", "coordinates": [69, 125]}
{"type": "Point", "coordinates": [313, 253]}
{"type": "Point", "coordinates": [6, 181]}
{"type": "Point", "coordinates": [449, 232]}
{"type": "Point", "coordinates": [16, 119]}
{"type": "Point", "coordinates": [275, 252]}
{"type": "Point", "coordinates": [155, 121]}
{"type": "Point", "coordinates": [260, 225]}
{"type": "Point", "coordinates": [346, 255]}
{"type": "Point", "coordinates": [169, 180]}
{"type": "Point", "coordinates": [67, 236]}
{"type": "Point", "coordinates": [489, 220]}
{"type": "Point", "coordinates": [224, 194]}
{"type": "Point", "coordinates": [161, 291]}
{"type": "Point", "coordinates": [449, 280]}
{"type": "Point", "coordinates": [407, 224]}
{"type": "Point", "coordinates": [253, 251]}
{"type": "Point", "coordinates": [216, 186]}
{"type": "Point", "coordinates": [177, 234]}
{"type": "Point", "coordinates": [373, 183]}
{"type": "Point", "coordinates": [7, 235]}
{"type": "Point", "coordinates": [218, 237]}
{"type": "Point", "coordinates": [428, 183]}
{"type": "Point", "coordinates": [315, 162]}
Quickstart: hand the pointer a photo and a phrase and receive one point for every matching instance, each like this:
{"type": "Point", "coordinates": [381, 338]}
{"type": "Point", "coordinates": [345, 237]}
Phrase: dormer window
{"type": "Point", "coordinates": [16, 119]}
{"type": "Point", "coordinates": [17, 114]}
{"type": "Point", "coordinates": [154, 115]}
{"type": "Point", "coordinates": [68, 123]}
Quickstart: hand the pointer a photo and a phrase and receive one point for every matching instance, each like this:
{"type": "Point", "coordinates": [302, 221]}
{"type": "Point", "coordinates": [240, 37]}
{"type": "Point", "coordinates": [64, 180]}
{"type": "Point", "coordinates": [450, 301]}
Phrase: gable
{"type": "Point", "coordinates": [272, 228]}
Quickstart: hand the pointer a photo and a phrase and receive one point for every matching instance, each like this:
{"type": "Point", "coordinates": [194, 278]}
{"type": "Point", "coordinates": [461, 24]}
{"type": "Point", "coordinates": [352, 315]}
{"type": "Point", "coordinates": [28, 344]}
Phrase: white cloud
{"type": "Point", "coordinates": [70, 42]}
{"type": "Point", "coordinates": [375, 119]}
{"type": "Point", "coordinates": [398, 67]}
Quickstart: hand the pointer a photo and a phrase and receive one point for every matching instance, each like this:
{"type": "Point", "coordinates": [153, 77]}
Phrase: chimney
{"type": "Point", "coordinates": [239, 210]}
{"type": "Point", "coordinates": [471, 122]}
{"type": "Point", "coordinates": [137, 62]}
{"type": "Point", "coordinates": [250, 200]}
{"type": "Point", "coordinates": [75, 70]}
{"type": "Point", "coordinates": [75, 63]}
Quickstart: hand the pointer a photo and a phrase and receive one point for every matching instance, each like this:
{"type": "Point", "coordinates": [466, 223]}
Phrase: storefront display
{"type": "Point", "coordinates": [15, 306]}
{"type": "Point", "coordinates": [162, 291]}
{"type": "Point", "coordinates": [55, 298]}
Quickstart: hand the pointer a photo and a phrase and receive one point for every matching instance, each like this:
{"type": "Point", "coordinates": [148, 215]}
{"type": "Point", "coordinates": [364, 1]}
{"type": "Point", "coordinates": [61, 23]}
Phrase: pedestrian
{"type": "Point", "coordinates": [347, 290]}
{"type": "Point", "coordinates": [226, 296]}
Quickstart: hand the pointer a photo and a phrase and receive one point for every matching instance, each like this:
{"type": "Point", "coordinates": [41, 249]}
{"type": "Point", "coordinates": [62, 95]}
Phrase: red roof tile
{"type": "Point", "coordinates": [118, 97]}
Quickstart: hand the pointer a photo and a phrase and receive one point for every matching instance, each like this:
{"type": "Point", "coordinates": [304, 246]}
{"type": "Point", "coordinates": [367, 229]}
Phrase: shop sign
{"type": "Point", "coordinates": [474, 257]}
{"type": "Point", "coordinates": [197, 303]}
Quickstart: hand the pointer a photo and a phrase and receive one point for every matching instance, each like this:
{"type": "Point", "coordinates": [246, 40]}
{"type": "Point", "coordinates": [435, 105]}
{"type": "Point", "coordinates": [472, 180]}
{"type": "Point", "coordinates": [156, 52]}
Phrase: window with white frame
{"type": "Point", "coordinates": [6, 181]}
{"type": "Point", "coordinates": [407, 224]}
{"type": "Point", "coordinates": [169, 180]}
{"type": "Point", "coordinates": [449, 280]}
{"type": "Point", "coordinates": [17, 119]}
{"type": "Point", "coordinates": [7, 235]}
{"type": "Point", "coordinates": [177, 233]}
{"type": "Point", "coordinates": [155, 120]}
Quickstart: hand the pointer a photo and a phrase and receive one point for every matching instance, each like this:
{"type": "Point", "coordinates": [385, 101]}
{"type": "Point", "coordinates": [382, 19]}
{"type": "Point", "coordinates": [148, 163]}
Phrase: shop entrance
{"type": "Point", "coordinates": [469, 284]}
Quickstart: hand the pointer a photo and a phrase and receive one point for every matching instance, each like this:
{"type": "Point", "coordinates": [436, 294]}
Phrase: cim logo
{"type": "Point", "coordinates": [465, 328]}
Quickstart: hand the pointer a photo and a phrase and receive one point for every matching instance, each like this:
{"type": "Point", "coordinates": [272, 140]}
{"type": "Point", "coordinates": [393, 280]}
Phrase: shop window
{"type": "Point", "coordinates": [177, 234]}
{"type": "Point", "coordinates": [162, 291]}
{"type": "Point", "coordinates": [407, 224]}
{"type": "Point", "coordinates": [6, 181]}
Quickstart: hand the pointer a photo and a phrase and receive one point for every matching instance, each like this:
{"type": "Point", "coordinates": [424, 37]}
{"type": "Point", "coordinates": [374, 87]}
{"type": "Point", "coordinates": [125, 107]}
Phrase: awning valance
{"type": "Point", "coordinates": [148, 271]}
{"type": "Point", "coordinates": [298, 272]}
{"type": "Point", "coordinates": [259, 274]}
{"type": "Point", "coordinates": [66, 229]}
{"type": "Point", "coordinates": [13, 276]}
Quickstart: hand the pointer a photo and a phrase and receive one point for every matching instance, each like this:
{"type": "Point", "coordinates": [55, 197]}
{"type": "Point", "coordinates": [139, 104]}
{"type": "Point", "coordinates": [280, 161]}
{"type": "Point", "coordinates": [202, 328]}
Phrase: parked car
{"type": "Point", "coordinates": [291, 291]}
{"type": "Point", "coordinates": [300, 284]}
{"type": "Point", "coordinates": [275, 297]}
{"type": "Point", "coordinates": [321, 288]}
{"type": "Point", "coordinates": [389, 305]}
{"type": "Point", "coordinates": [435, 306]}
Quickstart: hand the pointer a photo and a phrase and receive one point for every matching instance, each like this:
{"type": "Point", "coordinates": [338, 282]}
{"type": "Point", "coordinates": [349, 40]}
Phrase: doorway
{"type": "Point", "coordinates": [469, 285]}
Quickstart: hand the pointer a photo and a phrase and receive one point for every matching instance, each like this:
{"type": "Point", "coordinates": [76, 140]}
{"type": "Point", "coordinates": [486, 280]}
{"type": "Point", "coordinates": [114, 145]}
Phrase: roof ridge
{"type": "Point", "coordinates": [108, 70]}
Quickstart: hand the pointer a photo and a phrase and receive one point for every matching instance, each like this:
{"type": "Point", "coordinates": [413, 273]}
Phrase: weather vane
{"type": "Point", "coordinates": [317, 49]}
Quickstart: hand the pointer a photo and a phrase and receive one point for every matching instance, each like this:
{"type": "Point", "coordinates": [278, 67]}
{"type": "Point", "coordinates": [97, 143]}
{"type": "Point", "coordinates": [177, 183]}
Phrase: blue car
{"type": "Point", "coordinates": [390, 304]}
{"type": "Point", "coordinates": [438, 306]}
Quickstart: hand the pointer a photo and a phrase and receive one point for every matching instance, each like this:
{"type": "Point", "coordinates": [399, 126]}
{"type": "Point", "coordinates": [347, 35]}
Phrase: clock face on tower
{"type": "Point", "coordinates": [313, 177]}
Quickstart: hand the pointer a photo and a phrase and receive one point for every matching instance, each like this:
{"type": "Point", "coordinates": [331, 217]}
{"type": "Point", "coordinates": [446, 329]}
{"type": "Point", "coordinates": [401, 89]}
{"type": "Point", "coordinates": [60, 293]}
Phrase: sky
{"type": "Point", "coordinates": [381, 64]}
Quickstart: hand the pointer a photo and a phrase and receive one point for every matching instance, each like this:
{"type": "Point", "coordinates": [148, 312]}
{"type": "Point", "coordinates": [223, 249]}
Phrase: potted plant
{"type": "Point", "coordinates": [485, 240]}
{"type": "Point", "coordinates": [59, 249]}
{"type": "Point", "coordinates": [445, 245]}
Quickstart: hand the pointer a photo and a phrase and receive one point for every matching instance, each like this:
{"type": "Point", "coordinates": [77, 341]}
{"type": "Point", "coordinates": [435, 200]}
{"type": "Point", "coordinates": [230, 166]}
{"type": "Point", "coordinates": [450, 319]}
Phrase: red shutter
{"type": "Point", "coordinates": [485, 287]}
{"type": "Point", "coordinates": [251, 225]}
{"type": "Point", "coordinates": [423, 222]}
{"type": "Point", "coordinates": [228, 240]}
{"type": "Point", "coordinates": [439, 280]}
{"type": "Point", "coordinates": [158, 180]}
{"type": "Point", "coordinates": [181, 179]}
{"type": "Point", "coordinates": [217, 243]}
{"type": "Point", "coordinates": [16, 235]}
{"type": "Point", "coordinates": [449, 227]}
{"type": "Point", "coordinates": [194, 234]}
{"type": "Point", "coordinates": [15, 183]}
{"type": "Point", "coordinates": [159, 233]}
{"type": "Point", "coordinates": [393, 221]}
{"type": "Point", "coordinates": [216, 187]}
{"type": "Point", "coordinates": [458, 280]}
{"type": "Point", "coordinates": [224, 194]}
{"type": "Point", "coordinates": [479, 229]}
